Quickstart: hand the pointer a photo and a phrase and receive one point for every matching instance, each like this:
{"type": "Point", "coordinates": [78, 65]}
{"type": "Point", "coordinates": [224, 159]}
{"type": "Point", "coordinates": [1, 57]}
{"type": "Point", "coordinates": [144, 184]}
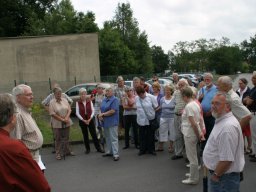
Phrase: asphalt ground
{"type": "Point", "coordinates": [132, 173]}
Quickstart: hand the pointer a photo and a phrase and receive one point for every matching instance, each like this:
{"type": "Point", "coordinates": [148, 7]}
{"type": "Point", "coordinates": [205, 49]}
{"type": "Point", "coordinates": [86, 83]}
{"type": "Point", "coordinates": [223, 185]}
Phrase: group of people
{"type": "Point", "coordinates": [213, 115]}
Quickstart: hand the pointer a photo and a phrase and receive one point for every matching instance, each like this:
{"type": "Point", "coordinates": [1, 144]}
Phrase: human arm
{"type": "Point", "coordinates": [194, 126]}
{"type": "Point", "coordinates": [221, 168]}
{"type": "Point", "coordinates": [78, 113]}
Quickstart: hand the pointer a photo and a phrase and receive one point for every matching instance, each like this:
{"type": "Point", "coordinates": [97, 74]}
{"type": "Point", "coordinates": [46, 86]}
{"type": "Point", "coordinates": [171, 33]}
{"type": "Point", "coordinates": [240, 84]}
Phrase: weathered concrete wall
{"type": "Point", "coordinates": [61, 58]}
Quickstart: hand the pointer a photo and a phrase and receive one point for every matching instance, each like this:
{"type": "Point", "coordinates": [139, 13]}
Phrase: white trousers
{"type": "Point", "coordinates": [166, 130]}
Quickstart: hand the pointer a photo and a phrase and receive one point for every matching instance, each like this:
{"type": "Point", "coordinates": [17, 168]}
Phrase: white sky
{"type": "Point", "coordinates": [167, 22]}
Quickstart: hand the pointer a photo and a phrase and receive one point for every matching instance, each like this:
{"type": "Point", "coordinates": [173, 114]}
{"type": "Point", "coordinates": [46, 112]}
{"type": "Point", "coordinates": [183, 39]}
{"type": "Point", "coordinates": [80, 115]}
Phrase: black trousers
{"type": "Point", "coordinates": [92, 130]}
{"type": "Point", "coordinates": [209, 123]}
{"type": "Point", "coordinates": [131, 120]}
{"type": "Point", "coordinates": [147, 140]}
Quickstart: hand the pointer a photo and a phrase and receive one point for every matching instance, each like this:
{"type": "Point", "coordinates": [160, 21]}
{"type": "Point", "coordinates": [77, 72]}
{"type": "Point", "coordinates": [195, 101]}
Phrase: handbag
{"type": "Point", "coordinates": [154, 124]}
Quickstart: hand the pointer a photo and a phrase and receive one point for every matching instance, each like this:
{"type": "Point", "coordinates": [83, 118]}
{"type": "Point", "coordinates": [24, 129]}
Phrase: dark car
{"type": "Point", "coordinates": [73, 92]}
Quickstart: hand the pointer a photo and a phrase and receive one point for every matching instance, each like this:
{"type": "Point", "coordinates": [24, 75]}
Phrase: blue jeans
{"type": "Point", "coordinates": [111, 136]}
{"type": "Point", "coordinates": [229, 182]}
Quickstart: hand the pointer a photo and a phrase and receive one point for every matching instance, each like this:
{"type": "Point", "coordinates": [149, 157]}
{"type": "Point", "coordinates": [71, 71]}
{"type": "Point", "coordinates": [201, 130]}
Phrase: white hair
{"type": "Point", "coordinates": [82, 90]}
{"type": "Point", "coordinates": [19, 89]}
{"type": "Point", "coordinates": [184, 81]}
{"type": "Point", "coordinates": [208, 75]}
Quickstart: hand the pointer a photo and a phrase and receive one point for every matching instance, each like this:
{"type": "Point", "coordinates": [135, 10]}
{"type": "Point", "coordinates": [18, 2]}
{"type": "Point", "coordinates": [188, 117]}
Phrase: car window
{"type": "Point", "coordinates": [74, 91]}
{"type": "Point", "coordinates": [90, 88]}
{"type": "Point", "coordinates": [161, 82]}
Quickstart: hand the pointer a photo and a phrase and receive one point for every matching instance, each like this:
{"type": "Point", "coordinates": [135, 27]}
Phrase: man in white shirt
{"type": "Point", "coordinates": [223, 153]}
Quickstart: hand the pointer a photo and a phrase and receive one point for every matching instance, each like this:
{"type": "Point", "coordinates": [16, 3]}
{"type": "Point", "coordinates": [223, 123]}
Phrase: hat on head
{"type": "Point", "coordinates": [119, 78]}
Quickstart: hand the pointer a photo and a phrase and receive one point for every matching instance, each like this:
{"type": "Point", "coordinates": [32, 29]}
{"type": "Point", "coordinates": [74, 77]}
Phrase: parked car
{"type": "Point", "coordinates": [73, 92]}
{"type": "Point", "coordinates": [161, 81]}
{"type": "Point", "coordinates": [130, 83]}
{"type": "Point", "coordinates": [192, 77]}
{"type": "Point", "coordinates": [169, 78]}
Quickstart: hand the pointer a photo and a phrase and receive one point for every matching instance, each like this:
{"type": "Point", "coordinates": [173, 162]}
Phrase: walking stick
{"type": "Point", "coordinates": [205, 179]}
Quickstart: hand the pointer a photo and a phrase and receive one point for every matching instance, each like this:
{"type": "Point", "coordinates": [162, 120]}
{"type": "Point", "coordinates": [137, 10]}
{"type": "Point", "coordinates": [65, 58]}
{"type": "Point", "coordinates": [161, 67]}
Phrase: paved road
{"type": "Point", "coordinates": [133, 173]}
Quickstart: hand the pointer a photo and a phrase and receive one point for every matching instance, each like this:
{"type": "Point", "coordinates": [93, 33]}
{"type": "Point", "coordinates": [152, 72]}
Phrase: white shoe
{"type": "Point", "coordinates": [187, 165]}
{"type": "Point", "coordinates": [189, 182]}
{"type": "Point", "coordinates": [187, 174]}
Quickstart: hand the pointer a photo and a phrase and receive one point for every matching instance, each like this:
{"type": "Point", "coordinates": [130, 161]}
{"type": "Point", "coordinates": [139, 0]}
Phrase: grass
{"type": "Point", "coordinates": [42, 119]}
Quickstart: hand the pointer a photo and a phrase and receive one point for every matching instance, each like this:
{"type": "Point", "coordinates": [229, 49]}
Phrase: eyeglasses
{"type": "Point", "coordinates": [154, 80]}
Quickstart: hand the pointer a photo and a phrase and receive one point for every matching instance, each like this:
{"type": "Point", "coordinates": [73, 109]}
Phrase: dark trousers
{"type": "Point", "coordinates": [92, 130]}
{"type": "Point", "coordinates": [121, 120]}
{"type": "Point", "coordinates": [131, 120]}
{"type": "Point", "coordinates": [209, 123]}
{"type": "Point", "coordinates": [147, 141]}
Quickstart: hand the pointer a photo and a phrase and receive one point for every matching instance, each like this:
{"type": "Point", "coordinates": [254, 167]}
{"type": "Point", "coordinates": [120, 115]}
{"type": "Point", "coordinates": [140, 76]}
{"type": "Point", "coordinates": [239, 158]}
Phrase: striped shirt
{"type": "Point", "coordinates": [180, 103]}
{"type": "Point", "coordinates": [119, 92]}
{"type": "Point", "coordinates": [225, 144]}
{"type": "Point", "coordinates": [27, 130]}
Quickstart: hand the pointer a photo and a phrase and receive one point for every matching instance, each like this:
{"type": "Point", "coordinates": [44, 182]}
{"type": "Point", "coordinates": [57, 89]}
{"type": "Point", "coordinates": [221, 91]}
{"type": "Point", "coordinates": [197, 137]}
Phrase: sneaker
{"type": "Point", "coordinates": [189, 182]}
{"type": "Point", "coordinates": [187, 174]}
{"type": "Point", "coordinates": [116, 158]}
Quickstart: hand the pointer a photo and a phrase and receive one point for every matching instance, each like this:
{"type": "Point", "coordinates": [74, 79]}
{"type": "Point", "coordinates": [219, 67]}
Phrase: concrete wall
{"type": "Point", "coordinates": [36, 59]}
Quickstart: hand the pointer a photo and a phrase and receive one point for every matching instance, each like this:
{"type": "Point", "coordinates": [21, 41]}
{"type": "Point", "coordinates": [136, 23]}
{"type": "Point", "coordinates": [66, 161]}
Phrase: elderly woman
{"type": "Point", "coordinates": [166, 130]}
{"type": "Point", "coordinates": [146, 105]}
{"type": "Point", "coordinates": [18, 170]}
{"type": "Point", "coordinates": [60, 111]}
{"type": "Point", "coordinates": [130, 117]}
{"type": "Point", "coordinates": [109, 117]}
{"type": "Point", "coordinates": [192, 133]}
{"type": "Point", "coordinates": [85, 114]}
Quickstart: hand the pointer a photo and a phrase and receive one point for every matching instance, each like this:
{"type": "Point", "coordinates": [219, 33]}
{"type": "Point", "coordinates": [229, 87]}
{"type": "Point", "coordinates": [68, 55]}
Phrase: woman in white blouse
{"type": "Point", "coordinates": [85, 113]}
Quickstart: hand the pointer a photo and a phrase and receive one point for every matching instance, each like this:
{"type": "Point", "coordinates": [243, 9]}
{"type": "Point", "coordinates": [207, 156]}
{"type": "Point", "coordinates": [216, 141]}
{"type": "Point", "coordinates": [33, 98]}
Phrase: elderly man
{"type": "Point", "coordinates": [238, 109]}
{"type": "Point", "coordinates": [175, 77]}
{"type": "Point", "coordinates": [251, 104]}
{"type": "Point", "coordinates": [206, 95]}
{"type": "Point", "coordinates": [180, 105]}
{"type": "Point", "coordinates": [223, 153]}
{"type": "Point", "coordinates": [18, 171]}
{"type": "Point", "coordinates": [119, 92]}
{"type": "Point", "coordinates": [26, 129]}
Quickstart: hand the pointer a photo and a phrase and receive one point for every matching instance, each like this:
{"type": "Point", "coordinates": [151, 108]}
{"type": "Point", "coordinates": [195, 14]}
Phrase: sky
{"type": "Point", "coordinates": [167, 22]}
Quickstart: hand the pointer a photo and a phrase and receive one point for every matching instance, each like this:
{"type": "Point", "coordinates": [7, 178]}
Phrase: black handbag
{"type": "Point", "coordinates": [154, 124]}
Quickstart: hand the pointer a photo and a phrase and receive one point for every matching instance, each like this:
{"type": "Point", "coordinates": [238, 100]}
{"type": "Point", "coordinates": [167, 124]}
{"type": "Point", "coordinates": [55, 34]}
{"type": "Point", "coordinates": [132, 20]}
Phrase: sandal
{"type": "Point", "coordinates": [58, 157]}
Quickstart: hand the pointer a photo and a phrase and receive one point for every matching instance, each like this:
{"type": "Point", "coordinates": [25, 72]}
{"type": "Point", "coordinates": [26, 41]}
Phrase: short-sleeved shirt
{"type": "Point", "coordinates": [225, 144]}
{"type": "Point", "coordinates": [60, 108]}
{"type": "Point", "coordinates": [119, 92]}
{"type": "Point", "coordinates": [180, 103]}
{"type": "Point", "coordinates": [167, 107]}
{"type": "Point", "coordinates": [27, 130]}
{"type": "Point", "coordinates": [98, 100]}
{"type": "Point", "coordinates": [107, 104]}
{"type": "Point", "coordinates": [149, 104]}
{"type": "Point", "coordinates": [237, 107]}
{"type": "Point", "coordinates": [192, 109]}
{"type": "Point", "coordinates": [208, 96]}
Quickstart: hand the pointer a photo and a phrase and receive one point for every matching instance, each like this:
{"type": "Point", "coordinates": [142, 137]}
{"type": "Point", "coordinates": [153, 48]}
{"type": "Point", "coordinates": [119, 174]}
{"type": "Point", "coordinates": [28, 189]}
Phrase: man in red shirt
{"type": "Point", "coordinates": [18, 171]}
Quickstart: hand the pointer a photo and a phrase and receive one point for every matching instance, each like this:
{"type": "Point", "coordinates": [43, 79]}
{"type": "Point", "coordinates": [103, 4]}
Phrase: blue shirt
{"type": "Point", "coordinates": [208, 96]}
{"type": "Point", "coordinates": [106, 105]}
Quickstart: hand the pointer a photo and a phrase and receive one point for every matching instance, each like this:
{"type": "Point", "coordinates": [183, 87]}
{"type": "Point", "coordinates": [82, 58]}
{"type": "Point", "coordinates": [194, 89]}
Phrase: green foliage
{"type": "Point", "coordinates": [160, 59]}
{"type": "Point", "coordinates": [249, 52]}
{"type": "Point", "coordinates": [42, 119]}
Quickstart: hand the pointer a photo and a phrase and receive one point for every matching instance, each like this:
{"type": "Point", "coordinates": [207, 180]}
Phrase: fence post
{"type": "Point", "coordinates": [15, 83]}
{"type": "Point", "coordinates": [75, 80]}
{"type": "Point", "coordinates": [50, 84]}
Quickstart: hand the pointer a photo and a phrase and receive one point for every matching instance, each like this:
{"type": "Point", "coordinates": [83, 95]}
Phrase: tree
{"type": "Point", "coordinates": [160, 59]}
{"type": "Point", "coordinates": [226, 60]}
{"type": "Point", "coordinates": [16, 16]}
{"type": "Point", "coordinates": [249, 52]}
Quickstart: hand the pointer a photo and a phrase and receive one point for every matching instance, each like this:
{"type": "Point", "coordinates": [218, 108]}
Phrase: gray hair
{"type": "Point", "coordinates": [208, 75]}
{"type": "Point", "coordinates": [136, 79]}
{"type": "Point", "coordinates": [56, 89]}
{"type": "Point", "coordinates": [7, 108]}
{"type": "Point", "coordinates": [19, 89]}
{"type": "Point", "coordinates": [184, 81]}
{"type": "Point", "coordinates": [82, 90]}
{"type": "Point", "coordinates": [226, 80]}
{"type": "Point", "coordinates": [119, 78]}
{"type": "Point", "coordinates": [254, 73]}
